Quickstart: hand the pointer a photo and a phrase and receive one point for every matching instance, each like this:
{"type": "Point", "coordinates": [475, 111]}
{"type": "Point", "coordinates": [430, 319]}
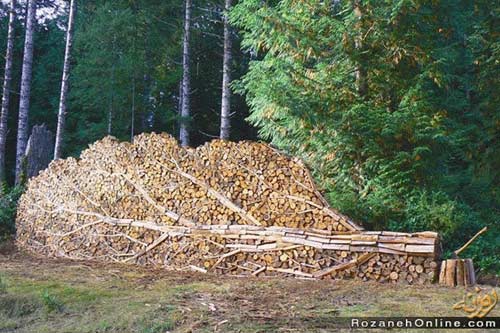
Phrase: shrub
{"type": "Point", "coordinates": [3, 286]}
{"type": "Point", "coordinates": [8, 205]}
{"type": "Point", "coordinates": [51, 302]}
{"type": "Point", "coordinates": [456, 223]}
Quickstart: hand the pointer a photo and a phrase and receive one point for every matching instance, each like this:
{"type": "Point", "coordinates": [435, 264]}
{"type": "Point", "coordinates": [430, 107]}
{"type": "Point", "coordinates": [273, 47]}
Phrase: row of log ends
{"type": "Point", "coordinates": [230, 208]}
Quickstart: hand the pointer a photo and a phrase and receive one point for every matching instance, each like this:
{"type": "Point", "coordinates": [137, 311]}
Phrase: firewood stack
{"type": "Point", "coordinates": [231, 208]}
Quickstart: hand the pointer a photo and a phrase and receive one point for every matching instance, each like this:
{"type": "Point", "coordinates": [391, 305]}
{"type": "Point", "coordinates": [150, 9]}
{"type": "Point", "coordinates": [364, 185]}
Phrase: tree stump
{"type": "Point", "coordinates": [457, 272]}
{"type": "Point", "coordinates": [39, 150]}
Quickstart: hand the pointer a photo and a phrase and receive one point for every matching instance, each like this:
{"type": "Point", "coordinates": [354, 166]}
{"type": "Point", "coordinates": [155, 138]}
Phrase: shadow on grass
{"type": "Point", "coordinates": [15, 306]}
{"type": "Point", "coordinates": [163, 319]}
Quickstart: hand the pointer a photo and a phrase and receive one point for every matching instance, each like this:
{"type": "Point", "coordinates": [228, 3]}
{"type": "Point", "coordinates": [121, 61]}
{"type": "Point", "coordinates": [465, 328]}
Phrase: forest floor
{"type": "Point", "coordinates": [54, 295]}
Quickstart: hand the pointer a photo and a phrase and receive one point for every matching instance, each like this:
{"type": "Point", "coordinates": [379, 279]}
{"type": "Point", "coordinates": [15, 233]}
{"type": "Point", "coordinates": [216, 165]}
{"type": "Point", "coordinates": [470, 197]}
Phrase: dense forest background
{"type": "Point", "coordinates": [392, 104]}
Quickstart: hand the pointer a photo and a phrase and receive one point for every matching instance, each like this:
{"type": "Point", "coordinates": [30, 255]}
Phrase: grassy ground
{"type": "Point", "coordinates": [42, 295]}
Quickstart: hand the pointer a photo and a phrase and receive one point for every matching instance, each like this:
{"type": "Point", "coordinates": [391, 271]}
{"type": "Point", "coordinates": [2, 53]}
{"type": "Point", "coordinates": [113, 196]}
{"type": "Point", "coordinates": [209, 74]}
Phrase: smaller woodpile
{"type": "Point", "coordinates": [230, 208]}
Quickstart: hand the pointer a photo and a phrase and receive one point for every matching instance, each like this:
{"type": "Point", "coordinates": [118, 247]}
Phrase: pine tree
{"type": "Point", "coordinates": [374, 96]}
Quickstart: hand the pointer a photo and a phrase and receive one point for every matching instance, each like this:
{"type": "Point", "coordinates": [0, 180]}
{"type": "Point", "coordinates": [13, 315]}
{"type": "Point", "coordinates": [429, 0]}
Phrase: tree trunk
{"type": "Point", "coordinates": [110, 117]}
{"type": "Point", "coordinates": [148, 119]}
{"type": "Point", "coordinates": [61, 117]}
{"type": "Point", "coordinates": [148, 116]}
{"type": "Point", "coordinates": [185, 111]}
{"type": "Point", "coordinates": [6, 88]}
{"type": "Point", "coordinates": [179, 111]}
{"type": "Point", "coordinates": [225, 112]}
{"type": "Point", "coordinates": [361, 75]}
{"type": "Point", "coordinates": [133, 110]}
{"type": "Point", "coordinates": [111, 96]}
{"type": "Point", "coordinates": [132, 116]}
{"type": "Point", "coordinates": [24, 104]}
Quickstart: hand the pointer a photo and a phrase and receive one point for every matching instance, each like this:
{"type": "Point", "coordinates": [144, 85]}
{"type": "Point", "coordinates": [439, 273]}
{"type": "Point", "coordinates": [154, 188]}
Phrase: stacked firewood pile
{"type": "Point", "coordinates": [232, 208]}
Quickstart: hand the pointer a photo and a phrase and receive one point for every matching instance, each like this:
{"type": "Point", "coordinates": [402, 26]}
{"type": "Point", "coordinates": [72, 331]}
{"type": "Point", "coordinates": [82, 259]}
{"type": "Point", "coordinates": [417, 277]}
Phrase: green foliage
{"type": "Point", "coordinates": [382, 101]}
{"type": "Point", "coordinates": [159, 327]}
{"type": "Point", "coordinates": [8, 205]}
{"type": "Point", "coordinates": [17, 306]}
{"type": "Point", "coordinates": [164, 319]}
{"type": "Point", "coordinates": [122, 47]}
{"type": "Point", "coordinates": [3, 286]}
{"type": "Point", "coordinates": [124, 53]}
{"type": "Point", "coordinates": [50, 302]}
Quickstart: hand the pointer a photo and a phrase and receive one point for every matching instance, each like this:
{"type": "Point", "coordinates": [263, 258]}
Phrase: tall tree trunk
{"type": "Point", "coordinates": [110, 117]}
{"type": "Point", "coordinates": [185, 111]}
{"type": "Point", "coordinates": [6, 87]}
{"type": "Point", "coordinates": [132, 116]}
{"type": "Point", "coordinates": [179, 111]}
{"type": "Point", "coordinates": [24, 104]}
{"type": "Point", "coordinates": [133, 111]}
{"type": "Point", "coordinates": [111, 97]}
{"type": "Point", "coordinates": [148, 116]}
{"type": "Point", "coordinates": [61, 117]}
{"type": "Point", "coordinates": [361, 74]}
{"type": "Point", "coordinates": [225, 110]}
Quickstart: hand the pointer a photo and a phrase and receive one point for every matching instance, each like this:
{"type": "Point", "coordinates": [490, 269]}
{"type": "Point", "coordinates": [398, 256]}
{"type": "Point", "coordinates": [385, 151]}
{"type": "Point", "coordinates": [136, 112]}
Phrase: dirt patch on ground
{"type": "Point", "coordinates": [7, 248]}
